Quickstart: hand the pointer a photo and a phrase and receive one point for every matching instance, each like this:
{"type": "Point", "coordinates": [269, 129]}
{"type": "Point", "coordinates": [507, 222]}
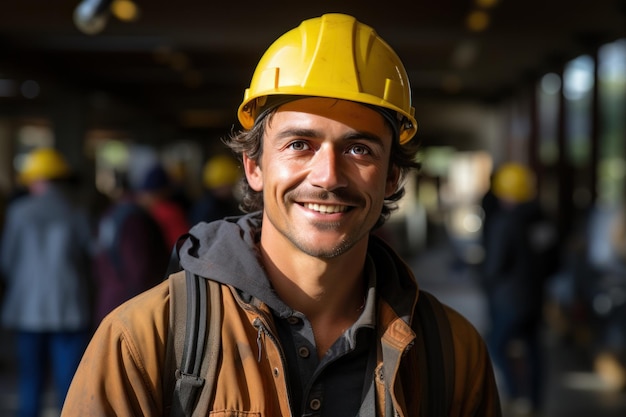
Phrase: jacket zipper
{"type": "Point", "coordinates": [263, 330]}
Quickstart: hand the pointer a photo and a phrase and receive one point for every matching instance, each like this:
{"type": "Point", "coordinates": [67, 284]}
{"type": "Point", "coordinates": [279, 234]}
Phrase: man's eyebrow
{"type": "Point", "coordinates": [313, 133]}
{"type": "Point", "coordinates": [369, 137]}
{"type": "Point", "coordinates": [291, 132]}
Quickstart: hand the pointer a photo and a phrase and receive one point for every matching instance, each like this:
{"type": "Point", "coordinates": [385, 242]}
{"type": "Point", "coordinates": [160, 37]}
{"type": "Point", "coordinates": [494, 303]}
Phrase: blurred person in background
{"type": "Point", "coordinates": [154, 193]}
{"type": "Point", "coordinates": [520, 247]}
{"type": "Point", "coordinates": [4, 202]}
{"type": "Point", "coordinates": [179, 190]}
{"type": "Point", "coordinates": [45, 259]}
{"type": "Point", "coordinates": [131, 254]}
{"type": "Point", "coordinates": [220, 176]}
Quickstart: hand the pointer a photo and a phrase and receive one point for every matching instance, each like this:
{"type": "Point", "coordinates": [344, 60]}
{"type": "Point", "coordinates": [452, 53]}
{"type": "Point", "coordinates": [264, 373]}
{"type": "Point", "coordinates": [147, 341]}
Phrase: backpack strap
{"type": "Point", "coordinates": [438, 369]}
{"type": "Point", "coordinates": [211, 355]}
{"type": "Point", "coordinates": [193, 343]}
{"type": "Point", "coordinates": [175, 338]}
{"type": "Point", "coordinates": [193, 340]}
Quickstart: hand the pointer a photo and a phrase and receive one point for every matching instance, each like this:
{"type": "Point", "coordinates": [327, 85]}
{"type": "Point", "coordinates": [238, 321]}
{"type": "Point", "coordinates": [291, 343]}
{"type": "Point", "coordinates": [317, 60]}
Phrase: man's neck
{"type": "Point", "coordinates": [329, 292]}
{"type": "Point", "coordinates": [314, 286]}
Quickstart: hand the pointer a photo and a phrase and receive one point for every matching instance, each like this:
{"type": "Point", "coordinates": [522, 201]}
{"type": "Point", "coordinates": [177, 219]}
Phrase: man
{"type": "Point", "coordinates": [220, 176]}
{"type": "Point", "coordinates": [131, 252]}
{"type": "Point", "coordinates": [521, 252]}
{"type": "Point", "coordinates": [45, 258]}
{"type": "Point", "coordinates": [154, 194]}
{"type": "Point", "coordinates": [316, 313]}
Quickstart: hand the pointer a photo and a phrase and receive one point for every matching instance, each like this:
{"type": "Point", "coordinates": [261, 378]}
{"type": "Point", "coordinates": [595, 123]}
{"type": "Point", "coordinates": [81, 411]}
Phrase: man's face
{"type": "Point", "coordinates": [324, 174]}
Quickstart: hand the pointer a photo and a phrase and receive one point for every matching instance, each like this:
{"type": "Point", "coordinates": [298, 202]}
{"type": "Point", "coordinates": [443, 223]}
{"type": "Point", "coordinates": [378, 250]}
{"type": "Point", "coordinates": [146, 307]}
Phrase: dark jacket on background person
{"type": "Point", "coordinates": [261, 371]}
{"type": "Point", "coordinates": [131, 255]}
{"type": "Point", "coordinates": [154, 193]}
{"type": "Point", "coordinates": [210, 207]}
{"type": "Point", "coordinates": [520, 253]}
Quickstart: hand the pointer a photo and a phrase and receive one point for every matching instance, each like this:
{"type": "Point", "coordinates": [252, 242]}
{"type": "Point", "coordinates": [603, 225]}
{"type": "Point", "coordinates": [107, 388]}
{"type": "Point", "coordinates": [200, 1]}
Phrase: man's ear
{"type": "Point", "coordinates": [254, 174]}
{"type": "Point", "coordinates": [391, 185]}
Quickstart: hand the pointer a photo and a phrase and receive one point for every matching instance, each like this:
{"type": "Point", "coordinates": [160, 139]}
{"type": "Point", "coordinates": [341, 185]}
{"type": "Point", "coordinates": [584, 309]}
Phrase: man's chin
{"type": "Point", "coordinates": [318, 248]}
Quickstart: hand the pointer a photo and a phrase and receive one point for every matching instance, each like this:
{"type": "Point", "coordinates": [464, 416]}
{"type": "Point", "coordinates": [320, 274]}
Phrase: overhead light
{"type": "Point", "coordinates": [125, 10]}
{"type": "Point", "coordinates": [477, 21]}
{"type": "Point", "coordinates": [91, 16]}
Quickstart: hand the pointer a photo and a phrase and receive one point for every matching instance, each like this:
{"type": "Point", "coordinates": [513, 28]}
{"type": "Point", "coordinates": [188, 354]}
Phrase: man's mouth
{"type": "Point", "coordinates": [326, 208]}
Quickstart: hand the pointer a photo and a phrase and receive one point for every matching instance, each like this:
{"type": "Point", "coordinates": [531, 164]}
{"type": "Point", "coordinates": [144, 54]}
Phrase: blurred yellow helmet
{"type": "Point", "coordinates": [331, 56]}
{"type": "Point", "coordinates": [514, 182]}
{"type": "Point", "coordinates": [219, 171]}
{"type": "Point", "coordinates": [43, 164]}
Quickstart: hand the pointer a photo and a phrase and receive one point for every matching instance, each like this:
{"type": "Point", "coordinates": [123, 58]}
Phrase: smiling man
{"type": "Point", "coordinates": [318, 316]}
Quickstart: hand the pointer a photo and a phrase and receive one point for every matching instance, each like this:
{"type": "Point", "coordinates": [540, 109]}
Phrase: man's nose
{"type": "Point", "coordinates": [327, 169]}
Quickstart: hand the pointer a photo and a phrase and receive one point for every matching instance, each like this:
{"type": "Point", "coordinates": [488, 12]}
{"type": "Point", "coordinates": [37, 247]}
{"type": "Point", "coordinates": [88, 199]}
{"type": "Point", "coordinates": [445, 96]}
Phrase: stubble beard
{"type": "Point", "coordinates": [311, 247]}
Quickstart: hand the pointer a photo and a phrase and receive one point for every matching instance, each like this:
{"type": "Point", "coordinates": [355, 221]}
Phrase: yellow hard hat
{"type": "Point", "coordinates": [514, 182]}
{"type": "Point", "coordinates": [219, 171]}
{"type": "Point", "coordinates": [332, 56]}
{"type": "Point", "coordinates": [43, 164]}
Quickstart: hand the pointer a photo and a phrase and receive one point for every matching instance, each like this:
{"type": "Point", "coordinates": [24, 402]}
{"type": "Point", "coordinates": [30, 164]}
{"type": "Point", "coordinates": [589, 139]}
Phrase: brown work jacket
{"type": "Point", "coordinates": [121, 373]}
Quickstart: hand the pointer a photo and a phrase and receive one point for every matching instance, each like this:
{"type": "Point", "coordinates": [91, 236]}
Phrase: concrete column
{"type": "Point", "coordinates": [69, 112]}
{"type": "Point", "coordinates": [7, 145]}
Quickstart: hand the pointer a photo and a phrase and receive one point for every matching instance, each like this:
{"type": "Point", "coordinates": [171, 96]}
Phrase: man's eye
{"type": "Point", "coordinates": [359, 150]}
{"type": "Point", "coordinates": [299, 146]}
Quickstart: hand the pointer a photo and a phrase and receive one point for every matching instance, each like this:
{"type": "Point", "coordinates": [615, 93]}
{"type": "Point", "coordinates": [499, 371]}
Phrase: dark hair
{"type": "Point", "coordinates": [250, 143]}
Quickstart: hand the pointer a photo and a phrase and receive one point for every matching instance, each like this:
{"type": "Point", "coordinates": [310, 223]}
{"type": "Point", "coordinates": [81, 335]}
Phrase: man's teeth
{"type": "Point", "coordinates": [323, 208]}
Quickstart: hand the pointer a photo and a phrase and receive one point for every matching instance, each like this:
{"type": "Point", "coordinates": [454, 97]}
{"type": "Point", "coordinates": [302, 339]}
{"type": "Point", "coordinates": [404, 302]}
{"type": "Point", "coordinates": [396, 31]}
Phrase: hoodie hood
{"type": "Point", "coordinates": [395, 282]}
{"type": "Point", "coordinates": [226, 251]}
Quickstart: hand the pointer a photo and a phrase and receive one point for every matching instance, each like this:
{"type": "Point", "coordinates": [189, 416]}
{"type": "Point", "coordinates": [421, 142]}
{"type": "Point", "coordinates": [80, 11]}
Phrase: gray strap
{"type": "Point", "coordinates": [211, 356]}
{"type": "Point", "coordinates": [189, 380]}
{"type": "Point", "coordinates": [193, 325]}
{"type": "Point", "coordinates": [175, 336]}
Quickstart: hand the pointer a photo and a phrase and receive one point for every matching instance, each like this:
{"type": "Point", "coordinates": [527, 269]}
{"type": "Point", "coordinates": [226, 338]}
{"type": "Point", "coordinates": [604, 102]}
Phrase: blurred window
{"type": "Point", "coordinates": [578, 89]}
{"type": "Point", "coordinates": [612, 93]}
{"type": "Point", "coordinates": [548, 97]}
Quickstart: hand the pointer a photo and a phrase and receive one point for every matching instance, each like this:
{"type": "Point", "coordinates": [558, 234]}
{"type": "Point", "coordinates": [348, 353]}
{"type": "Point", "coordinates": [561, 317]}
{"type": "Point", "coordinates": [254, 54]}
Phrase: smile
{"type": "Point", "coordinates": [325, 208]}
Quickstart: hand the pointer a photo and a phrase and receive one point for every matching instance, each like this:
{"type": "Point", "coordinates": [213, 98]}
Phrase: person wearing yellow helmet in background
{"type": "Point", "coordinates": [318, 317]}
{"type": "Point", "coordinates": [220, 176]}
{"type": "Point", "coordinates": [514, 183]}
{"type": "Point", "coordinates": [43, 164]}
{"type": "Point", "coordinates": [45, 256]}
{"type": "Point", "coordinates": [521, 251]}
